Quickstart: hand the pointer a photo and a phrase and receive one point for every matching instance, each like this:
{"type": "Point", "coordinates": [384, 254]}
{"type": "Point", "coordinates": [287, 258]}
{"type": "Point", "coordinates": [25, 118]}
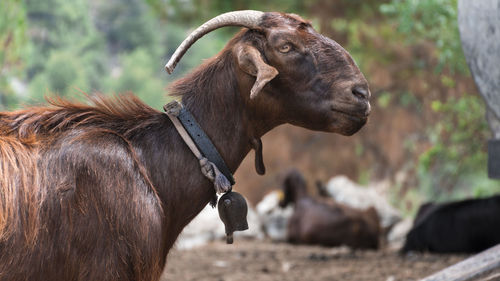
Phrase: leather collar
{"type": "Point", "coordinates": [201, 140]}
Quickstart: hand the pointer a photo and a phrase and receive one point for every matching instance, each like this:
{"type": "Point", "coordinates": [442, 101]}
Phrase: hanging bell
{"type": "Point", "coordinates": [233, 210]}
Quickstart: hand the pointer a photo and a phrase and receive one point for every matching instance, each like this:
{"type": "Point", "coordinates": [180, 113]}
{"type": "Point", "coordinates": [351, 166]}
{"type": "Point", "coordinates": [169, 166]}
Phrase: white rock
{"type": "Point", "coordinates": [207, 227]}
{"type": "Point", "coordinates": [345, 191]}
{"type": "Point", "coordinates": [397, 236]}
{"type": "Point", "coordinates": [274, 219]}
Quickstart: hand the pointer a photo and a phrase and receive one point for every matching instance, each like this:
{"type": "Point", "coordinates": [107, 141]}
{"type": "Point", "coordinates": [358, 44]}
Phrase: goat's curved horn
{"type": "Point", "coordinates": [246, 18]}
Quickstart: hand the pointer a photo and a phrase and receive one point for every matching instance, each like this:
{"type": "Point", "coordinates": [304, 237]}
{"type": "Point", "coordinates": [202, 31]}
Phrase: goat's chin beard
{"type": "Point", "coordinates": [346, 128]}
{"type": "Point", "coordinates": [344, 124]}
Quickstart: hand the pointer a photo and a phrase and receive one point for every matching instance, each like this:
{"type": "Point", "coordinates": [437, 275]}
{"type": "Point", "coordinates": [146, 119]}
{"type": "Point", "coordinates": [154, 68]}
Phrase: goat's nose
{"type": "Point", "coordinates": [361, 92]}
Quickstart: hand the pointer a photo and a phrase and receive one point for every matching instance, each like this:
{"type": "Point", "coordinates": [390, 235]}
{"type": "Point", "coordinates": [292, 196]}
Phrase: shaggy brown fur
{"type": "Point", "coordinates": [58, 154]}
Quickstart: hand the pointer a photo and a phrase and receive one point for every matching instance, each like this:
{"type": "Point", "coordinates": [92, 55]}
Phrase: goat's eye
{"type": "Point", "coordinates": [285, 48]}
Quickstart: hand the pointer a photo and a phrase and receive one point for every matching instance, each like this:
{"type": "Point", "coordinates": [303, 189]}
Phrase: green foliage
{"type": "Point", "coordinates": [193, 11]}
{"type": "Point", "coordinates": [138, 75]}
{"type": "Point", "coordinates": [447, 81]}
{"type": "Point", "coordinates": [12, 40]}
{"type": "Point", "coordinates": [67, 53]}
{"type": "Point", "coordinates": [434, 20]}
{"type": "Point", "coordinates": [455, 164]}
{"type": "Point", "coordinates": [127, 25]}
{"type": "Point", "coordinates": [112, 46]}
{"type": "Point", "coordinates": [62, 76]}
{"type": "Point", "coordinates": [384, 99]}
{"type": "Point", "coordinates": [55, 25]}
{"type": "Point", "coordinates": [407, 99]}
{"type": "Point", "coordinates": [12, 31]}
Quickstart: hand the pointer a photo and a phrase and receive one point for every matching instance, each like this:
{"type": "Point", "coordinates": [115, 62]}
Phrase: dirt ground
{"type": "Point", "coordinates": [266, 261]}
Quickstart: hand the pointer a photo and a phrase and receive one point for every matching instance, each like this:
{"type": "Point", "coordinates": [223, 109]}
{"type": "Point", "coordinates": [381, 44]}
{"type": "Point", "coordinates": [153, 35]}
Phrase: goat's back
{"type": "Point", "coordinates": [78, 206]}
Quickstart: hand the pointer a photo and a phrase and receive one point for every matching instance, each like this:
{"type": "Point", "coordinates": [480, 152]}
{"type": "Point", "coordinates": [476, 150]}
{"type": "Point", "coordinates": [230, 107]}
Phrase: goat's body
{"type": "Point", "coordinates": [101, 192]}
{"type": "Point", "coordinates": [466, 226]}
{"type": "Point", "coordinates": [332, 224]}
{"type": "Point", "coordinates": [326, 222]}
{"type": "Point", "coordinates": [86, 204]}
{"type": "Point", "coordinates": [94, 216]}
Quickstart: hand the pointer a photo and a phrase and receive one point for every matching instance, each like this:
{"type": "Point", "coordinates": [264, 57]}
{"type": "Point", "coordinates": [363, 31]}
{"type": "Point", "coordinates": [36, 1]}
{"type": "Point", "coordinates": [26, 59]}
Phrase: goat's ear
{"type": "Point", "coordinates": [250, 60]}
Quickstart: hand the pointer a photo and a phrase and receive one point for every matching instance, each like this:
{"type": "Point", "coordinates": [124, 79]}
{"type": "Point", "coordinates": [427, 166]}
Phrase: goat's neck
{"type": "Point", "coordinates": [301, 194]}
{"type": "Point", "coordinates": [229, 123]}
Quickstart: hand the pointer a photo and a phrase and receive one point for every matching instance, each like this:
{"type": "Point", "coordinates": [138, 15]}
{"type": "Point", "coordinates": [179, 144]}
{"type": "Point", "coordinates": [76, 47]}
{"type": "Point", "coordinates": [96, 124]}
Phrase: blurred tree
{"type": "Point", "coordinates": [194, 11]}
{"type": "Point", "coordinates": [66, 52]}
{"type": "Point", "coordinates": [55, 25]}
{"type": "Point", "coordinates": [12, 40]}
{"type": "Point", "coordinates": [455, 164]}
{"type": "Point", "coordinates": [127, 25]}
{"type": "Point", "coordinates": [139, 77]}
{"type": "Point", "coordinates": [434, 20]}
{"type": "Point", "coordinates": [62, 76]}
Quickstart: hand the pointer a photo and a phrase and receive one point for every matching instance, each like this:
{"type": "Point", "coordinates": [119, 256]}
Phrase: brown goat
{"type": "Point", "coordinates": [326, 222]}
{"type": "Point", "coordinates": [101, 191]}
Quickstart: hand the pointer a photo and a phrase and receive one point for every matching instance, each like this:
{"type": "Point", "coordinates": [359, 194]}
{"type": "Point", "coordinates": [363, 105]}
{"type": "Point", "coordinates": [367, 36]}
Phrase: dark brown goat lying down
{"type": "Point", "coordinates": [101, 191]}
{"type": "Point", "coordinates": [323, 221]}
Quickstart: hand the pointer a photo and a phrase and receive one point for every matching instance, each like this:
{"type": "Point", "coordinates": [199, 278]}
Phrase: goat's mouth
{"type": "Point", "coordinates": [349, 122]}
{"type": "Point", "coordinates": [354, 116]}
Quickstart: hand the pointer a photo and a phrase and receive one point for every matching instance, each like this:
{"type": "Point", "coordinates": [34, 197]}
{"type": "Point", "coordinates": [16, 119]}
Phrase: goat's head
{"type": "Point", "coordinates": [291, 72]}
{"type": "Point", "coordinates": [294, 187]}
